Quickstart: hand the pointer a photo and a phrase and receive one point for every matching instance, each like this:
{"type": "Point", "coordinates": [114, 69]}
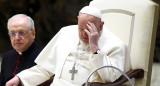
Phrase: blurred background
{"type": "Point", "coordinates": [49, 17]}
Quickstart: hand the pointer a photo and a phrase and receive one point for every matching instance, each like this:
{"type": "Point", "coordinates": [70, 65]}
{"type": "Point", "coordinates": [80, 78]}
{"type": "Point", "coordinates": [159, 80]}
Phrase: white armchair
{"type": "Point", "coordinates": [135, 22]}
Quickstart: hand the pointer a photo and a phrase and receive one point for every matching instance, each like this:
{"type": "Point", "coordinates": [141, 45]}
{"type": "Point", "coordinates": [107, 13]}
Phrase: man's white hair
{"type": "Point", "coordinates": [30, 20]}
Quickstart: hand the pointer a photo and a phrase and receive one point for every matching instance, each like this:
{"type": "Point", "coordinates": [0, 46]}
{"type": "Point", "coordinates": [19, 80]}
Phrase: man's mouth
{"type": "Point", "coordinates": [18, 43]}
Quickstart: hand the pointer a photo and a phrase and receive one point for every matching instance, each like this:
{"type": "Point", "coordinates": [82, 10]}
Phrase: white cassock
{"type": "Point", "coordinates": [65, 49]}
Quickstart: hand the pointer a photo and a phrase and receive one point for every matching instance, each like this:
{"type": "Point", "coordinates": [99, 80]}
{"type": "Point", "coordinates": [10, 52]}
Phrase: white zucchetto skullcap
{"type": "Point", "coordinates": [91, 11]}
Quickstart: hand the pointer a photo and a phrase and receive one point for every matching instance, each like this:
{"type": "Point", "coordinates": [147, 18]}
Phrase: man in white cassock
{"type": "Point", "coordinates": [77, 50]}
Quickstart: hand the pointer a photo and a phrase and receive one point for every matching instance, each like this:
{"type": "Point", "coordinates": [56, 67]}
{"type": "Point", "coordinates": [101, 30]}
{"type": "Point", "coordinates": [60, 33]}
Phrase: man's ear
{"type": "Point", "coordinates": [101, 25]}
{"type": "Point", "coordinates": [33, 32]}
{"type": "Point", "coordinates": [78, 17]}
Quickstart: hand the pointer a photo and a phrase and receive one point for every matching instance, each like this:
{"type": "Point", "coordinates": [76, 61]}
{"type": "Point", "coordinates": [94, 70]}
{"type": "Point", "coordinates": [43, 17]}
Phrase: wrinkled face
{"type": "Point", "coordinates": [83, 20]}
{"type": "Point", "coordinates": [21, 35]}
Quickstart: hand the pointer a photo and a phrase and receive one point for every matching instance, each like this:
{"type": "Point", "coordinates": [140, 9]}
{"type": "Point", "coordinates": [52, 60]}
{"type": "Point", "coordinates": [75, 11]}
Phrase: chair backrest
{"type": "Point", "coordinates": [135, 22]}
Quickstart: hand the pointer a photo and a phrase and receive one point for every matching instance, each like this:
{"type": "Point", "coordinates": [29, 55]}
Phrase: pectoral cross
{"type": "Point", "coordinates": [73, 71]}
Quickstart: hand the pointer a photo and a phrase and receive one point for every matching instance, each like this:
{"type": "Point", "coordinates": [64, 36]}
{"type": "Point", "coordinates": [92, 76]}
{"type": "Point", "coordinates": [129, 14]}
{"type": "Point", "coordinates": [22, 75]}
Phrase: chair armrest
{"type": "Point", "coordinates": [134, 73]}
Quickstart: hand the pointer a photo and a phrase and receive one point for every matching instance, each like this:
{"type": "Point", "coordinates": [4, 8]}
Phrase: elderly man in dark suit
{"type": "Point", "coordinates": [22, 35]}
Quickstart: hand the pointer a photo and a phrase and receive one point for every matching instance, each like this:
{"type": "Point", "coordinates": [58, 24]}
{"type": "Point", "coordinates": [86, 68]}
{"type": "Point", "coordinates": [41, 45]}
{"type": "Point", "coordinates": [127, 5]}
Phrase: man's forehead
{"type": "Point", "coordinates": [16, 26]}
{"type": "Point", "coordinates": [86, 16]}
{"type": "Point", "coordinates": [18, 22]}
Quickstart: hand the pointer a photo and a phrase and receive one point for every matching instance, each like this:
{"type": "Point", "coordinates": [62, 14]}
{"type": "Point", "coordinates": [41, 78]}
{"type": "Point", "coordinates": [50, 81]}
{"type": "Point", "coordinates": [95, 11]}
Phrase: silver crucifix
{"type": "Point", "coordinates": [73, 71]}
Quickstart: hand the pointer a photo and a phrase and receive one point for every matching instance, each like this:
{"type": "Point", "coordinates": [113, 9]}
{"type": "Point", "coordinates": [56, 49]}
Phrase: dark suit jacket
{"type": "Point", "coordinates": [10, 58]}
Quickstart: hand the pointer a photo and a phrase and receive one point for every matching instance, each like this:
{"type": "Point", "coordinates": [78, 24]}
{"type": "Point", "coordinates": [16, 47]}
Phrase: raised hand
{"type": "Point", "coordinates": [93, 36]}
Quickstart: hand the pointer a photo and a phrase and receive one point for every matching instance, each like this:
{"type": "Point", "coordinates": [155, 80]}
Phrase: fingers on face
{"type": "Point", "coordinates": [91, 27]}
{"type": "Point", "coordinates": [88, 33]}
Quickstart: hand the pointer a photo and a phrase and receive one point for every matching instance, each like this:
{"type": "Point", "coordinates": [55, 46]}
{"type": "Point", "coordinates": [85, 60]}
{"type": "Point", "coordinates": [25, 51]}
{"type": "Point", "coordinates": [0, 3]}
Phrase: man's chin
{"type": "Point", "coordinates": [86, 42]}
{"type": "Point", "coordinates": [18, 49]}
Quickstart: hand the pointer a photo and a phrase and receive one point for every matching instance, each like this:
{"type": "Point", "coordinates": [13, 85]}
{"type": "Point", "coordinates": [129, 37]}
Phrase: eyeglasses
{"type": "Point", "coordinates": [20, 33]}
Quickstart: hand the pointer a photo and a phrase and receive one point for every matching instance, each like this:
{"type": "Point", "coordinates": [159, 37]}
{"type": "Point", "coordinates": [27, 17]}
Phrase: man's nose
{"type": "Point", "coordinates": [17, 36]}
{"type": "Point", "coordinates": [85, 34]}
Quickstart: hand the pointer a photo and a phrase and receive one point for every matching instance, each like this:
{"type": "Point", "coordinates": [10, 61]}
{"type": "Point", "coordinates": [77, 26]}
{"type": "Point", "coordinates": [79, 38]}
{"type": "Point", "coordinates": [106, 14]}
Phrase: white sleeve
{"type": "Point", "coordinates": [116, 57]}
{"type": "Point", "coordinates": [34, 76]}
